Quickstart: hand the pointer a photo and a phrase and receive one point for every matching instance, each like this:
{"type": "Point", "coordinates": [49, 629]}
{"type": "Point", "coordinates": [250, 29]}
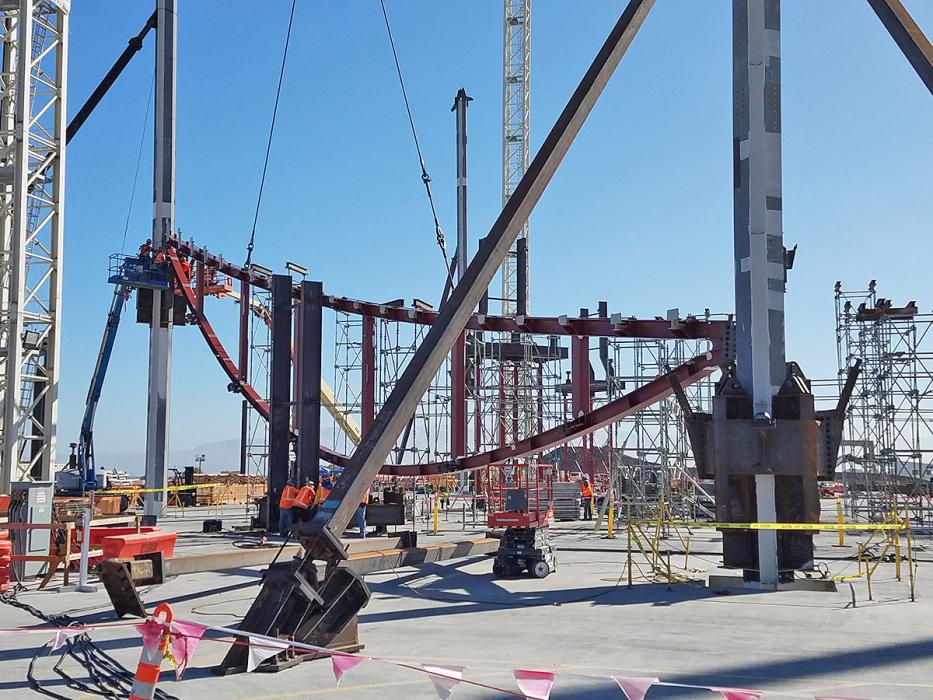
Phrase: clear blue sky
{"type": "Point", "coordinates": [640, 213]}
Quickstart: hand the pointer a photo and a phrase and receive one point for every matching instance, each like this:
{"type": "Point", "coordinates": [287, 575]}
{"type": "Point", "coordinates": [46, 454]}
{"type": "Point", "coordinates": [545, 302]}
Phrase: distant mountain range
{"type": "Point", "coordinates": [222, 455]}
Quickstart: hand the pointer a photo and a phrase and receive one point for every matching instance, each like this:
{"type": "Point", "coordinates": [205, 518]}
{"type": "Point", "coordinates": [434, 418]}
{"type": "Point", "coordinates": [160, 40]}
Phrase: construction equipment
{"type": "Point", "coordinates": [520, 498]}
{"type": "Point", "coordinates": [82, 473]}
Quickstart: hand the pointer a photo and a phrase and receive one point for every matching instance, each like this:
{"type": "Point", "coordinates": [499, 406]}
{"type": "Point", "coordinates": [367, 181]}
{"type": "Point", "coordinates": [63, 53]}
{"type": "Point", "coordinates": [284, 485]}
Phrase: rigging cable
{"type": "Point", "coordinates": [425, 178]}
{"type": "Point", "coordinates": [139, 156]}
{"type": "Point", "coordinates": [265, 163]}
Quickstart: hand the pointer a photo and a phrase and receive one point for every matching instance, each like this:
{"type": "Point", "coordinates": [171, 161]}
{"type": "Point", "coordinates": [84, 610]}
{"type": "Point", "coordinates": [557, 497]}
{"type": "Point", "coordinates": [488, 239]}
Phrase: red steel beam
{"type": "Point", "coordinates": [578, 426]}
{"type": "Point", "coordinates": [244, 328]}
{"type": "Point", "coordinates": [657, 389]}
{"type": "Point", "coordinates": [690, 328]}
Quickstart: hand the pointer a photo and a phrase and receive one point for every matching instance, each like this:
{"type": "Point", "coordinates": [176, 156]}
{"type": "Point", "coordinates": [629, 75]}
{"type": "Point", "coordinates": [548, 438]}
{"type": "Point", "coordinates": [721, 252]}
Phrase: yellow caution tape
{"type": "Point", "coordinates": [780, 526]}
{"type": "Point", "coordinates": [116, 492]}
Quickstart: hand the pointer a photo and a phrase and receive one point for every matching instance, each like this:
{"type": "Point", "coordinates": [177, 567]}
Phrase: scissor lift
{"type": "Point", "coordinates": [520, 498]}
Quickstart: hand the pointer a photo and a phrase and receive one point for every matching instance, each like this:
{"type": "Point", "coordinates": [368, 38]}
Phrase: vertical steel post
{"type": "Point", "coordinates": [280, 394]}
{"type": "Point", "coordinates": [458, 398]}
{"type": "Point", "coordinates": [461, 102]}
{"type": "Point", "coordinates": [163, 226]}
{"type": "Point", "coordinates": [309, 383]}
{"type": "Point", "coordinates": [368, 361]}
{"type": "Point", "coordinates": [759, 248]}
{"type": "Point", "coordinates": [245, 301]}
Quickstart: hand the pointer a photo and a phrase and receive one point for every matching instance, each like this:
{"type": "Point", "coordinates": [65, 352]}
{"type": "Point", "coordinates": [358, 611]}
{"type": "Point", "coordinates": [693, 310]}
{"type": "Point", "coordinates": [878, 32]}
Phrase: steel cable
{"type": "Point", "coordinates": [265, 162]}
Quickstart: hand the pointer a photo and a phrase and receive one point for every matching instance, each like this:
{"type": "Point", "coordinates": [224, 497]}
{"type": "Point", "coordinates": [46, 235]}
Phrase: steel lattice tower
{"type": "Point", "coordinates": [516, 150]}
{"type": "Point", "coordinates": [32, 178]}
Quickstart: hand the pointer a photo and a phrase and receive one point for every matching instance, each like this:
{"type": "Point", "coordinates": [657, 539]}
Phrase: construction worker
{"type": "Point", "coordinates": [323, 492]}
{"type": "Point", "coordinates": [185, 265]}
{"type": "Point", "coordinates": [361, 514]}
{"type": "Point", "coordinates": [303, 501]}
{"type": "Point", "coordinates": [586, 498]}
{"type": "Point", "coordinates": [286, 501]}
{"type": "Point", "coordinates": [444, 497]}
{"type": "Point", "coordinates": [145, 250]}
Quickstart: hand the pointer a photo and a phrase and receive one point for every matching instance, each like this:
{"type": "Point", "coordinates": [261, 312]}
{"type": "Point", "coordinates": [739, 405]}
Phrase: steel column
{"type": "Point", "coordinates": [280, 394]}
{"type": "Point", "coordinates": [759, 247]}
{"type": "Point", "coordinates": [367, 460]}
{"type": "Point", "coordinates": [368, 361]}
{"type": "Point", "coordinates": [309, 384]}
{"type": "Point", "coordinates": [461, 102]}
{"type": "Point", "coordinates": [458, 398]}
{"type": "Point", "coordinates": [163, 227]}
{"type": "Point", "coordinates": [245, 301]}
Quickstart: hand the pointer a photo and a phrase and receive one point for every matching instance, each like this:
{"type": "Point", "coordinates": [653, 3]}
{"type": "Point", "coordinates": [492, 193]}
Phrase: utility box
{"type": "Point", "coordinates": [31, 502]}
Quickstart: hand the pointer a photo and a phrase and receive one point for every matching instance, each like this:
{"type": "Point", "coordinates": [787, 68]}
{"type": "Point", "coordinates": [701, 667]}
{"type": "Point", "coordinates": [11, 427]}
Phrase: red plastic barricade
{"type": "Point", "coordinates": [129, 546]}
{"type": "Point", "coordinates": [6, 550]}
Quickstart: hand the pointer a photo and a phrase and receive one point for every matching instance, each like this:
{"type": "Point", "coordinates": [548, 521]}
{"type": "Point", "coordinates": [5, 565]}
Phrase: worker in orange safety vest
{"type": "Point", "coordinates": [586, 498]}
{"type": "Point", "coordinates": [303, 501]}
{"type": "Point", "coordinates": [286, 501]}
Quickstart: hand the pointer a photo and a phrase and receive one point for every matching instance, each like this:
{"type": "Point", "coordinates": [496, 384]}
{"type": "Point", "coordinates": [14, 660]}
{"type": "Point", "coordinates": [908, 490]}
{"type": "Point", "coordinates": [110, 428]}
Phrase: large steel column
{"type": "Point", "coordinates": [309, 383]}
{"type": "Point", "coordinates": [34, 34]}
{"type": "Point", "coordinates": [458, 405]}
{"type": "Point", "coordinates": [163, 225]}
{"type": "Point", "coordinates": [759, 246]}
{"type": "Point", "coordinates": [280, 390]}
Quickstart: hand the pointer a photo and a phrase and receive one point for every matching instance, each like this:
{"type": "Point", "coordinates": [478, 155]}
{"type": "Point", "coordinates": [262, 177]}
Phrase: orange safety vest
{"type": "Point", "coordinates": [322, 494]}
{"type": "Point", "coordinates": [304, 497]}
{"type": "Point", "coordinates": [585, 490]}
{"type": "Point", "coordinates": [287, 499]}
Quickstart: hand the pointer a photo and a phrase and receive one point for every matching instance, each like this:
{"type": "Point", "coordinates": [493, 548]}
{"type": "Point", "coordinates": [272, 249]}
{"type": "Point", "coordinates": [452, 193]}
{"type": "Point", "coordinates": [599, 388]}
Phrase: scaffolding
{"type": "Point", "coordinates": [886, 461]}
{"type": "Point", "coordinates": [255, 445]}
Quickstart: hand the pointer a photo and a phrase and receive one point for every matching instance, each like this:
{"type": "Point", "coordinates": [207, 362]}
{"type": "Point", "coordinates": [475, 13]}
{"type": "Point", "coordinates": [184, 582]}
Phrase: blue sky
{"type": "Point", "coordinates": [639, 214]}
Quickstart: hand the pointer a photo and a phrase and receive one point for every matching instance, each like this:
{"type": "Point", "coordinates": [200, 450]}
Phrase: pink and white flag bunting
{"type": "Point", "coordinates": [341, 663]}
{"type": "Point", "coordinates": [151, 631]}
{"type": "Point", "coordinates": [634, 688]}
{"type": "Point", "coordinates": [444, 677]}
{"type": "Point", "coordinates": [534, 685]}
{"type": "Point", "coordinates": [738, 693]}
{"type": "Point", "coordinates": [261, 648]}
{"type": "Point", "coordinates": [184, 641]}
{"type": "Point", "coordinates": [63, 635]}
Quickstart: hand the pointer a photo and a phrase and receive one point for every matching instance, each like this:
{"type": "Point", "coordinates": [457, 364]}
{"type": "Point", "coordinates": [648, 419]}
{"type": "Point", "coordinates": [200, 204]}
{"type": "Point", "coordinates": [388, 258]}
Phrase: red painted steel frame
{"type": "Point", "coordinates": [690, 328]}
{"type": "Point", "coordinates": [578, 426]}
{"type": "Point", "coordinates": [368, 360]}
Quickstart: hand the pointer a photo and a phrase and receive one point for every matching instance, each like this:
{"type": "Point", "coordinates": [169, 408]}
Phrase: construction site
{"type": "Point", "coordinates": [608, 449]}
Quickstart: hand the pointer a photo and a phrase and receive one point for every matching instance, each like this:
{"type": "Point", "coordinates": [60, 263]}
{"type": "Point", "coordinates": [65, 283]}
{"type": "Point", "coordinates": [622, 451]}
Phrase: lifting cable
{"type": "Point", "coordinates": [425, 178]}
{"type": "Point", "coordinates": [265, 163]}
{"type": "Point", "coordinates": [139, 156]}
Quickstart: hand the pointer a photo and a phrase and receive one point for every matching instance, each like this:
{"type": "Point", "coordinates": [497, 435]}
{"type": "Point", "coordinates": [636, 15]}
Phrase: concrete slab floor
{"type": "Point", "coordinates": [582, 621]}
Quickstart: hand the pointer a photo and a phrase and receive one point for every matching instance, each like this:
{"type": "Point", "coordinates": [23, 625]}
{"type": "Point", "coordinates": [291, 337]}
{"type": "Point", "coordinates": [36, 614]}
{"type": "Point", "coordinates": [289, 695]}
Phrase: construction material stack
{"type": "Point", "coordinates": [566, 502]}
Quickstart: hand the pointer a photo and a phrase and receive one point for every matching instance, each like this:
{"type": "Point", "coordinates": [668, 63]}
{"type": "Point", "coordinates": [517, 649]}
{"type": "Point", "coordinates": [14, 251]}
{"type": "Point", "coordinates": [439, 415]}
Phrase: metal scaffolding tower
{"type": "Point", "coordinates": [516, 148]}
{"type": "Point", "coordinates": [32, 178]}
{"type": "Point", "coordinates": [887, 450]}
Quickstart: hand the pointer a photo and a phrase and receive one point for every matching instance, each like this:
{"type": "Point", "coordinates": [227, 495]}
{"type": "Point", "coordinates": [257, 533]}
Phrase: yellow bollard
{"type": "Point", "coordinates": [842, 533]}
{"type": "Point", "coordinates": [897, 555]}
{"type": "Point", "coordinates": [612, 510]}
{"type": "Point", "coordinates": [910, 565]}
{"type": "Point", "coordinates": [629, 531]}
{"type": "Point", "coordinates": [436, 501]}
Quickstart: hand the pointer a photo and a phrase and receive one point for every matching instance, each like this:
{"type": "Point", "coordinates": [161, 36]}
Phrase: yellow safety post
{"type": "Point", "coordinates": [612, 509]}
{"type": "Point", "coordinates": [897, 555]}
{"type": "Point", "coordinates": [436, 502]}
{"type": "Point", "coordinates": [842, 532]}
{"type": "Point", "coordinates": [868, 569]}
{"type": "Point", "coordinates": [670, 576]}
{"type": "Point", "coordinates": [910, 565]}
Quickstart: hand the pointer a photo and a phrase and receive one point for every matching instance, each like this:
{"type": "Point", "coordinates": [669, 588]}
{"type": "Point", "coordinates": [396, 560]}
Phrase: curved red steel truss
{"type": "Point", "coordinates": [656, 390]}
